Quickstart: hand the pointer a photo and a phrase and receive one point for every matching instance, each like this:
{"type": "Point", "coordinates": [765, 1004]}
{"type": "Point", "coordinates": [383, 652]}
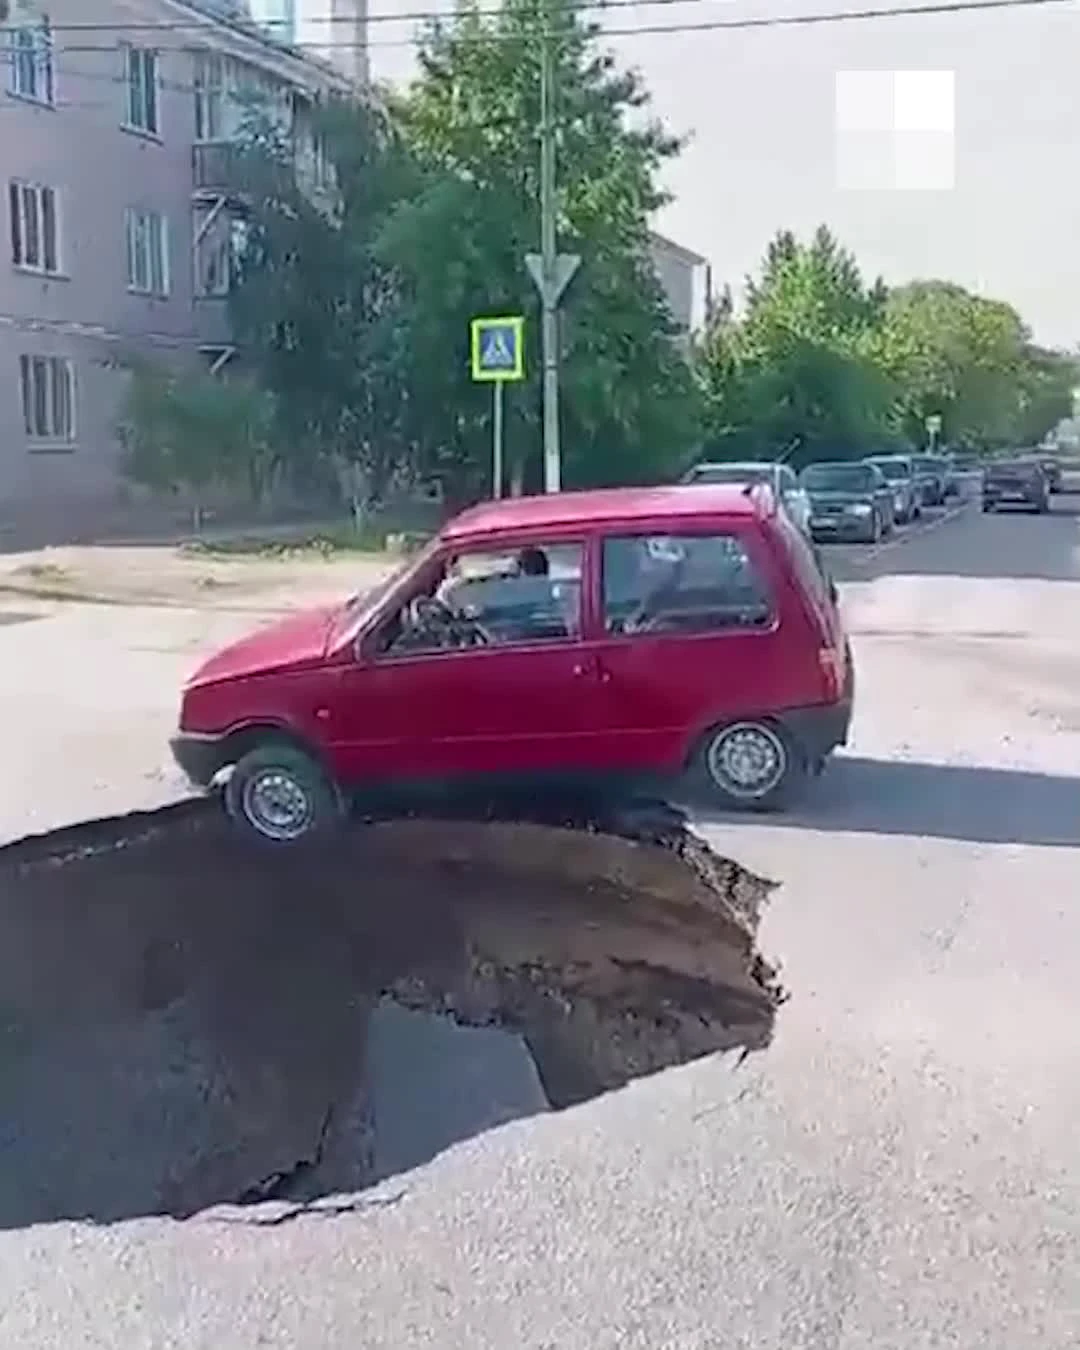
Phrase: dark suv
{"type": "Point", "coordinates": [1016, 482]}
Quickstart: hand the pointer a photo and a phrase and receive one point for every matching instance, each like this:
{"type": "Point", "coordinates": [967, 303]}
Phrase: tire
{"type": "Point", "coordinates": [316, 804]}
{"type": "Point", "coordinates": [718, 768]}
{"type": "Point", "coordinates": [987, 507]}
{"type": "Point", "coordinates": [874, 537]}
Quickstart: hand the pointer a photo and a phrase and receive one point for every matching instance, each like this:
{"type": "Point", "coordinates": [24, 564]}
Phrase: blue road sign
{"type": "Point", "coordinates": [498, 348]}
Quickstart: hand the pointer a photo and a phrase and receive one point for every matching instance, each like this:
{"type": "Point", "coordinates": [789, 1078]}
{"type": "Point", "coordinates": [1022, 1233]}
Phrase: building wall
{"type": "Point", "coordinates": [681, 274]}
{"type": "Point", "coordinates": [98, 169]}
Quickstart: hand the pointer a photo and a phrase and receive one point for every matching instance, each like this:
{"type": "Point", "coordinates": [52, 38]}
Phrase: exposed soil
{"type": "Point", "coordinates": [183, 1017]}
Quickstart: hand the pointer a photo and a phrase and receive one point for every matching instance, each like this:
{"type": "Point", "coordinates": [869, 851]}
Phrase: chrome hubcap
{"type": "Point", "coordinates": [277, 805]}
{"type": "Point", "coordinates": [747, 760]}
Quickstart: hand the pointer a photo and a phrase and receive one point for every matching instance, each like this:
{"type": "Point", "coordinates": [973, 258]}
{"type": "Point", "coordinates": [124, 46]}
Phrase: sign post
{"type": "Point", "coordinates": [498, 357]}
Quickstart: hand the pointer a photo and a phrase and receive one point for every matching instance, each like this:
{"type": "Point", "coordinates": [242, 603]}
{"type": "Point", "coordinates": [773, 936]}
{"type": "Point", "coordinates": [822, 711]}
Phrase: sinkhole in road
{"type": "Point", "coordinates": [184, 1018]}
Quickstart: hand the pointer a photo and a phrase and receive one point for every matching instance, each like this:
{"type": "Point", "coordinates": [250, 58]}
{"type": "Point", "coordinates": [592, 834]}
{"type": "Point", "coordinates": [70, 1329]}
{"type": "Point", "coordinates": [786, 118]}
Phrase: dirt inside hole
{"type": "Point", "coordinates": [183, 1018]}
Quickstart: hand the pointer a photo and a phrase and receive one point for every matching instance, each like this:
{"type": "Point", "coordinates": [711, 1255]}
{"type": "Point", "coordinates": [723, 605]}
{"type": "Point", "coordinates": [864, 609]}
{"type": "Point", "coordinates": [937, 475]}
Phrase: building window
{"type": "Point", "coordinates": [210, 97]}
{"type": "Point", "coordinates": [141, 76]}
{"type": "Point", "coordinates": [222, 259]}
{"type": "Point", "coordinates": [148, 253]}
{"type": "Point", "coordinates": [48, 398]}
{"type": "Point", "coordinates": [30, 62]}
{"type": "Point", "coordinates": [35, 230]}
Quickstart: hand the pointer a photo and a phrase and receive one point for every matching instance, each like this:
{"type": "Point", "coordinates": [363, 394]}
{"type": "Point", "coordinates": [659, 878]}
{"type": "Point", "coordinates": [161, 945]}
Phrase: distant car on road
{"type": "Point", "coordinates": [1015, 482]}
{"type": "Point", "coordinates": [1052, 468]}
{"type": "Point", "coordinates": [931, 477]}
{"type": "Point", "coordinates": [898, 473]}
{"type": "Point", "coordinates": [848, 500]}
{"type": "Point", "coordinates": [779, 477]}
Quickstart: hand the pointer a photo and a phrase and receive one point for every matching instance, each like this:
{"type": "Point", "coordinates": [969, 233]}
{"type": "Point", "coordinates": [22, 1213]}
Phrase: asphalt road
{"type": "Point", "coordinates": [899, 1169]}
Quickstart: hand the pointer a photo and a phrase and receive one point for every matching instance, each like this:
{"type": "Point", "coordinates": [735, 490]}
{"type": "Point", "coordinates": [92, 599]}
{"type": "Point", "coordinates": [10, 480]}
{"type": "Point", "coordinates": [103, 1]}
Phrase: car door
{"type": "Point", "coordinates": [706, 656]}
{"type": "Point", "coordinates": [508, 707]}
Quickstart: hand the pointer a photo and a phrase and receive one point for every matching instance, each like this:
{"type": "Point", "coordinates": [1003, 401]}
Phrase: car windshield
{"type": "Point", "coordinates": [895, 470]}
{"type": "Point", "coordinates": [731, 473]}
{"type": "Point", "coordinates": [839, 478]}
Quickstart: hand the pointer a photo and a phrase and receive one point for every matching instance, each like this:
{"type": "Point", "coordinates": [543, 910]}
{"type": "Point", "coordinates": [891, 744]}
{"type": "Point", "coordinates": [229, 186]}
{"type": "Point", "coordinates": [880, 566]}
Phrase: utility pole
{"type": "Point", "coordinates": [550, 270]}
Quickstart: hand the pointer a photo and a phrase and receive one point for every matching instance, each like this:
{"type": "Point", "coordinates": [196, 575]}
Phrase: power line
{"type": "Point", "coordinates": [816, 18]}
{"type": "Point", "coordinates": [638, 30]}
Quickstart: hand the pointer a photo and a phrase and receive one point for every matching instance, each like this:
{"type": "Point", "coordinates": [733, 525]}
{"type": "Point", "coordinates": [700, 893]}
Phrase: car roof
{"type": "Point", "coordinates": [884, 459]}
{"type": "Point", "coordinates": [604, 506]}
{"type": "Point", "coordinates": [837, 464]}
{"type": "Point", "coordinates": [735, 464]}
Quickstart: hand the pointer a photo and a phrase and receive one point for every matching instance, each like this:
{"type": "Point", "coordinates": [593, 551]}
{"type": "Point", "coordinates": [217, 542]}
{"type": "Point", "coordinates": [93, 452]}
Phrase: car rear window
{"type": "Point", "coordinates": [731, 473]}
{"type": "Point", "coordinates": [682, 584]}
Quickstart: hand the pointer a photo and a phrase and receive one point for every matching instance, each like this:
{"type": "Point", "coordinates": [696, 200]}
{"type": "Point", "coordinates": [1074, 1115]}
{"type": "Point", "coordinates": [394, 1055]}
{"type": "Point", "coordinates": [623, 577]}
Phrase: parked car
{"type": "Point", "coordinates": [931, 477]}
{"type": "Point", "coordinates": [1019, 482]}
{"type": "Point", "coordinates": [596, 637]}
{"type": "Point", "coordinates": [1051, 466]}
{"type": "Point", "coordinates": [848, 500]}
{"type": "Point", "coordinates": [780, 478]}
{"type": "Point", "coordinates": [898, 472]}
{"type": "Point", "coordinates": [949, 478]}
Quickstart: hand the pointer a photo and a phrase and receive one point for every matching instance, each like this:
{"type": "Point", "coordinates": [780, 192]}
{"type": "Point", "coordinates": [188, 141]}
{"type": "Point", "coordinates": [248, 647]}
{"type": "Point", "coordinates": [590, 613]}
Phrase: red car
{"type": "Point", "coordinates": [625, 635]}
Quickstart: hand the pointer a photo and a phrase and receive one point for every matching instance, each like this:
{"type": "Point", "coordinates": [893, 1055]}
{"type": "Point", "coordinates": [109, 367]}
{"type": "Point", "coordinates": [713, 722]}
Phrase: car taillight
{"type": "Point", "coordinates": [831, 665]}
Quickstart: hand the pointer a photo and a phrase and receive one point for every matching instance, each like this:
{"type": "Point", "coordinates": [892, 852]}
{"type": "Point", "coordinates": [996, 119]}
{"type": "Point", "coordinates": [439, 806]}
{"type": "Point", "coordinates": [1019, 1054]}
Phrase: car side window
{"type": "Point", "coordinates": [682, 584]}
{"type": "Point", "coordinates": [494, 598]}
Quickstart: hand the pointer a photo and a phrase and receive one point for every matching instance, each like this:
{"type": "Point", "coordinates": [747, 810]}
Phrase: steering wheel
{"type": "Point", "coordinates": [450, 626]}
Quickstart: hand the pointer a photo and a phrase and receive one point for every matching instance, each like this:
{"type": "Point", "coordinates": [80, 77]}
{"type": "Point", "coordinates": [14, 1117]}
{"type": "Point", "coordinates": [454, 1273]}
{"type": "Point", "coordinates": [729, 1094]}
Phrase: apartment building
{"type": "Point", "coordinates": [683, 275]}
{"type": "Point", "coordinates": [115, 151]}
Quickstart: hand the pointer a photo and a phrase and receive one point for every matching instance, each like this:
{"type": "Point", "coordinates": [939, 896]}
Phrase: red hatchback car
{"type": "Point", "coordinates": [619, 636]}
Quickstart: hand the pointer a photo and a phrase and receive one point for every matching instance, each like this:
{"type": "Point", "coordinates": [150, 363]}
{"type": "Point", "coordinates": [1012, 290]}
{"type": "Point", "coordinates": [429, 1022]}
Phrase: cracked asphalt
{"type": "Point", "coordinates": [899, 1169]}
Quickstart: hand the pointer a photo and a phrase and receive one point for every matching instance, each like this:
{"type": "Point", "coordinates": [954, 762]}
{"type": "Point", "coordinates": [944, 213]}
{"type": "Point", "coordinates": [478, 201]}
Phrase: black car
{"type": "Point", "coordinates": [848, 501]}
{"type": "Point", "coordinates": [1015, 482]}
{"type": "Point", "coordinates": [932, 476]}
{"type": "Point", "coordinates": [1052, 468]}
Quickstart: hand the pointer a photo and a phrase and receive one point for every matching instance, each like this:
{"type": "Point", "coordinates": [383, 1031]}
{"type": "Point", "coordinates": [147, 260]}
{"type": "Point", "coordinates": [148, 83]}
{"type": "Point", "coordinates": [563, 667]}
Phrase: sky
{"type": "Point", "coordinates": [938, 145]}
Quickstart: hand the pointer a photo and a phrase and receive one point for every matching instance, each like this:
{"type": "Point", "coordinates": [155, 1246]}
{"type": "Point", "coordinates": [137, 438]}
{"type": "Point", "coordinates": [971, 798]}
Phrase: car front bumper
{"type": "Point", "coordinates": [841, 527]}
{"type": "Point", "coordinates": [200, 757]}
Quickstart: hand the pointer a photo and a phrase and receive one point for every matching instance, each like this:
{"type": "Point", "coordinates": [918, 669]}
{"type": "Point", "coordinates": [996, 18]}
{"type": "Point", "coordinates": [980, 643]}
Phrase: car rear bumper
{"type": "Point", "coordinates": [1013, 496]}
{"type": "Point", "coordinates": [200, 758]}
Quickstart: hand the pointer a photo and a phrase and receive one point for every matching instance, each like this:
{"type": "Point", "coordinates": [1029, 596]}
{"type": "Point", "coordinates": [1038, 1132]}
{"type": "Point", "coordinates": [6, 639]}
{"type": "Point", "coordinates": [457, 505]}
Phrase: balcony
{"type": "Point", "coordinates": [215, 167]}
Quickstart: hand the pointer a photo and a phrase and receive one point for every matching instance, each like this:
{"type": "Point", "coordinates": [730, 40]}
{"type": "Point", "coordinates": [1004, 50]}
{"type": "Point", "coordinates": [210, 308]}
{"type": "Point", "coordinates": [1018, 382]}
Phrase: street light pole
{"type": "Point", "coordinates": [550, 270]}
{"type": "Point", "coordinates": [549, 332]}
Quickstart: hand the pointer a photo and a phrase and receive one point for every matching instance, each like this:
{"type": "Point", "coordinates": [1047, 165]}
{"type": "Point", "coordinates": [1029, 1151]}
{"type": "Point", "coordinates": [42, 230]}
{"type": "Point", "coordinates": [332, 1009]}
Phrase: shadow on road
{"type": "Point", "coordinates": [936, 801]}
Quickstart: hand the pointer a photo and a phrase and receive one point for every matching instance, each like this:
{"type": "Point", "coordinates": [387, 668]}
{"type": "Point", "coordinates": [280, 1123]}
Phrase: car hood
{"type": "Point", "coordinates": [297, 640]}
{"type": "Point", "coordinates": [824, 497]}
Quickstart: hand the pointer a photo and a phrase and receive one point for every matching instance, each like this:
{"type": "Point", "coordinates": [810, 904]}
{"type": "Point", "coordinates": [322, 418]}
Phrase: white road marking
{"type": "Point", "coordinates": [910, 533]}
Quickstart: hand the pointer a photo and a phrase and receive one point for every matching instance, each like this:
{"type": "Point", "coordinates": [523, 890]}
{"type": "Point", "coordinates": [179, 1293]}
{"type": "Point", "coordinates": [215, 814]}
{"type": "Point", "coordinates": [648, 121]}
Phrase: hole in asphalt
{"type": "Point", "coordinates": [187, 1021]}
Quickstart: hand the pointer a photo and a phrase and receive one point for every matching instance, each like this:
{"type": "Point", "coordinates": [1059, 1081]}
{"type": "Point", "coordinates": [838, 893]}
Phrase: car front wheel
{"type": "Point", "coordinates": [279, 794]}
{"type": "Point", "coordinates": [751, 766]}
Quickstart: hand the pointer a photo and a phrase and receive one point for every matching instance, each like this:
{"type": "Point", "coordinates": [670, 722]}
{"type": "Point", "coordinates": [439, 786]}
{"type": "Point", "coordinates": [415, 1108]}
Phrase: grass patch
{"type": "Point", "coordinates": [327, 543]}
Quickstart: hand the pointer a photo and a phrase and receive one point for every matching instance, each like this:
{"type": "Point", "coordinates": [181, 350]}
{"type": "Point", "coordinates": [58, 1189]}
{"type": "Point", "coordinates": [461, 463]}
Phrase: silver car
{"type": "Point", "coordinates": [786, 487]}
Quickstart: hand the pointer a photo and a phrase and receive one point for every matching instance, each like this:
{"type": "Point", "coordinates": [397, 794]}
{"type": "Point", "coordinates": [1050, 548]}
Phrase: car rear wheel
{"type": "Point", "coordinates": [279, 794]}
{"type": "Point", "coordinates": [751, 765]}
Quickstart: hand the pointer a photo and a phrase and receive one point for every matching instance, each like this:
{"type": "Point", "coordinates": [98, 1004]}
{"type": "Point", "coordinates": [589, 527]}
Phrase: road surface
{"type": "Point", "coordinates": [899, 1169]}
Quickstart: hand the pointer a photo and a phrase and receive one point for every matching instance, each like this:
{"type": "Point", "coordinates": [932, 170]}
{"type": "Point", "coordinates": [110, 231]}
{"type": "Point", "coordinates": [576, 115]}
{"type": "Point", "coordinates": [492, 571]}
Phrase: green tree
{"type": "Point", "coordinates": [191, 432]}
{"type": "Point", "coordinates": [471, 119]}
{"type": "Point", "coordinates": [316, 309]}
{"type": "Point", "coordinates": [797, 375]}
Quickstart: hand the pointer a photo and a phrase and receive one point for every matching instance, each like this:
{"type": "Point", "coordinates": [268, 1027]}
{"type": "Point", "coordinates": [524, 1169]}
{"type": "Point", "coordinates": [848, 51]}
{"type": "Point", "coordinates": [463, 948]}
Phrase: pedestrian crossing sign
{"type": "Point", "coordinates": [498, 348]}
